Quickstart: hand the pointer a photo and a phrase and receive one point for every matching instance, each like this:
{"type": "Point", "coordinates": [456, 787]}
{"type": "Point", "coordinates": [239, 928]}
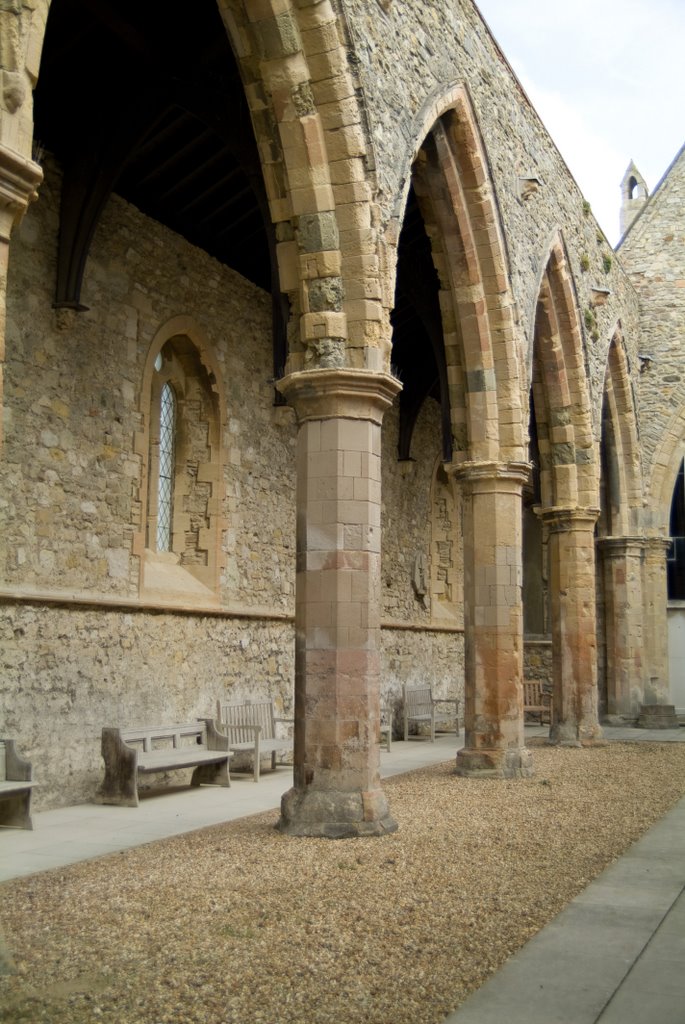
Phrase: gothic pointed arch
{"type": "Point", "coordinates": [620, 544]}
{"type": "Point", "coordinates": [293, 61]}
{"type": "Point", "coordinates": [620, 453]}
{"type": "Point", "coordinates": [568, 464]}
{"type": "Point", "coordinates": [451, 179]}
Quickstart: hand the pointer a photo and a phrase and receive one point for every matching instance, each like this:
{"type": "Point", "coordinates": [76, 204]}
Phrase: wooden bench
{"type": "Point", "coordinates": [250, 726]}
{"type": "Point", "coordinates": [420, 706]}
{"type": "Point", "coordinates": [537, 701]}
{"type": "Point", "coordinates": [128, 753]}
{"type": "Point", "coordinates": [385, 727]}
{"type": "Point", "coordinates": [15, 787]}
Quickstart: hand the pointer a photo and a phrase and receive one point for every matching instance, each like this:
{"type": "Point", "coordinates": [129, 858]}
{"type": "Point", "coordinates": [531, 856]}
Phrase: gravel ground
{"type": "Point", "coordinates": [238, 923]}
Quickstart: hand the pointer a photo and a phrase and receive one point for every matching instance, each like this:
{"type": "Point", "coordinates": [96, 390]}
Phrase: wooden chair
{"type": "Point", "coordinates": [536, 701]}
{"type": "Point", "coordinates": [420, 706]}
{"type": "Point", "coordinates": [386, 725]}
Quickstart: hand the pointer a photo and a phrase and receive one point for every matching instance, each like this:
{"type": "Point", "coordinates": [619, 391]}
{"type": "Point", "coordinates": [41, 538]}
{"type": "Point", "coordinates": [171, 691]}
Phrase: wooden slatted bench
{"type": "Point", "coordinates": [385, 727]}
{"type": "Point", "coordinates": [250, 726]}
{"type": "Point", "coordinates": [420, 706]}
{"type": "Point", "coordinates": [537, 701]}
{"type": "Point", "coordinates": [127, 753]}
{"type": "Point", "coordinates": [16, 786]}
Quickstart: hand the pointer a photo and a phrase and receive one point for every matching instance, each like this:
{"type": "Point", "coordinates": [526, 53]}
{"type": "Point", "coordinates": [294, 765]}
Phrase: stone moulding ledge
{"type": "Point", "coordinates": [339, 394]}
{"type": "Point", "coordinates": [84, 600]}
{"type": "Point", "coordinates": [420, 627]}
{"type": "Point", "coordinates": [19, 181]}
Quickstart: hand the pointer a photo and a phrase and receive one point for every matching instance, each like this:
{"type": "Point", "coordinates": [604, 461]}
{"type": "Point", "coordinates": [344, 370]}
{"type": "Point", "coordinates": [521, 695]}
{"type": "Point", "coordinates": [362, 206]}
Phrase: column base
{"type": "Point", "coordinates": [495, 764]}
{"type": "Point", "coordinates": [657, 716]}
{"type": "Point", "coordinates": [335, 814]}
{"type": "Point", "coordinates": [572, 736]}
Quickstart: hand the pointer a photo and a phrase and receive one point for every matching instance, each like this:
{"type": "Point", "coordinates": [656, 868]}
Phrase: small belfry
{"type": "Point", "coordinates": [634, 195]}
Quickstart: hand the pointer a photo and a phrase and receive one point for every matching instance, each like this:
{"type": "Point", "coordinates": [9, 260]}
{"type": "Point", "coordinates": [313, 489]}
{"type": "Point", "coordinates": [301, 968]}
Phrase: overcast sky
{"type": "Point", "coordinates": [607, 77]}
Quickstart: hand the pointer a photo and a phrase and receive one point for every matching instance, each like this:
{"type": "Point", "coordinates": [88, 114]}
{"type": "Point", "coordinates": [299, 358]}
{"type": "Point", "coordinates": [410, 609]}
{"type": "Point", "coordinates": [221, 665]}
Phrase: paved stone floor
{"type": "Point", "coordinates": [614, 955]}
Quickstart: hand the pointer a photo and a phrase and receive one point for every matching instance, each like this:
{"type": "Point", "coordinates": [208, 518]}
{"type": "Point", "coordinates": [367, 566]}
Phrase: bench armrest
{"type": "Point", "coordinates": [216, 739]}
{"type": "Point", "coordinates": [16, 768]}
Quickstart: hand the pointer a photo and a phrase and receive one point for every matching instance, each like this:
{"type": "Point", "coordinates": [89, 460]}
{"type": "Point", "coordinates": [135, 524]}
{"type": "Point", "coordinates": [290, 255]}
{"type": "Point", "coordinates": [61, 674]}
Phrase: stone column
{"type": "Point", "coordinates": [655, 599]}
{"type": "Point", "coordinates": [337, 790]}
{"type": "Point", "coordinates": [622, 571]}
{"type": "Point", "coordinates": [573, 624]}
{"type": "Point", "coordinates": [493, 620]}
{"type": "Point", "coordinates": [19, 179]}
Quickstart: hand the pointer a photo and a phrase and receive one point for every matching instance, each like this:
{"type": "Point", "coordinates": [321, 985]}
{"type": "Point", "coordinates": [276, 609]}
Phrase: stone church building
{"type": "Point", "coordinates": [319, 378]}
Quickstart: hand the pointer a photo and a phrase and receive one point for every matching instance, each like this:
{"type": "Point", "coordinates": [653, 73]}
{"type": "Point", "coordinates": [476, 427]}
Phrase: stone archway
{"type": "Point", "coordinates": [569, 494]}
{"type": "Point", "coordinates": [483, 365]}
{"type": "Point", "coordinates": [620, 544]}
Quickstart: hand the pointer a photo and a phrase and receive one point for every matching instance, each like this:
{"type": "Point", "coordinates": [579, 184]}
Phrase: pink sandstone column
{"type": "Point", "coordinates": [655, 598]}
{"type": "Point", "coordinates": [493, 621]}
{"type": "Point", "coordinates": [573, 624]}
{"type": "Point", "coordinates": [337, 790]}
{"type": "Point", "coordinates": [622, 564]}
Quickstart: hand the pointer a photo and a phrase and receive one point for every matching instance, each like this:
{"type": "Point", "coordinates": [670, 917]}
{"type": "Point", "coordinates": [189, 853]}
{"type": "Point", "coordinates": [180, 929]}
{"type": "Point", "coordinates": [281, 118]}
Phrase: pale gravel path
{"type": "Point", "coordinates": [237, 924]}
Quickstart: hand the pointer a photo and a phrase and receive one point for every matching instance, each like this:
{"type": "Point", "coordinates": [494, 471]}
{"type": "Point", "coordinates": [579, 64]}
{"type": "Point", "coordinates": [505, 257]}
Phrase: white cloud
{"type": "Point", "coordinates": [608, 80]}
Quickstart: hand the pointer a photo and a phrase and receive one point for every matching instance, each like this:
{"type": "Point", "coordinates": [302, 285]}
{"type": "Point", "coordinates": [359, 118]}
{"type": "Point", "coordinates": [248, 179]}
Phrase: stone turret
{"type": "Point", "coordinates": [634, 195]}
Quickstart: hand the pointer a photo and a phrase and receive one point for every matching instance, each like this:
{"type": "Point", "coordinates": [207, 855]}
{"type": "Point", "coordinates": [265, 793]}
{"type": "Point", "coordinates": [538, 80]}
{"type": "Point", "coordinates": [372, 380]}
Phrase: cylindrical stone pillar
{"type": "Point", "coordinates": [493, 620]}
{"type": "Point", "coordinates": [573, 625]}
{"type": "Point", "coordinates": [336, 791]}
{"type": "Point", "coordinates": [623, 607]}
{"type": "Point", "coordinates": [655, 598]}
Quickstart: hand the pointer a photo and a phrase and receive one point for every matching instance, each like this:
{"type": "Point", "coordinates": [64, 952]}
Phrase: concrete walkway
{"type": "Point", "coordinates": [614, 955]}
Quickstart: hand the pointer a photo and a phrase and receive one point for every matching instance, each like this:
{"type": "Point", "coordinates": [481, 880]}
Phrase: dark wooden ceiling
{"type": "Point", "coordinates": [135, 99]}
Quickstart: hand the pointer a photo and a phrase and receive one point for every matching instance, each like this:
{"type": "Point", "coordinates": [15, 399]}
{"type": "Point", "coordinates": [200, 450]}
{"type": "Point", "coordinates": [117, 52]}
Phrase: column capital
{"type": "Point", "coordinates": [619, 546]}
{"type": "Point", "coordinates": [19, 181]}
{"type": "Point", "coordinates": [325, 394]}
{"type": "Point", "coordinates": [562, 519]}
{"type": "Point", "coordinates": [508, 475]}
{"type": "Point", "coordinates": [656, 547]}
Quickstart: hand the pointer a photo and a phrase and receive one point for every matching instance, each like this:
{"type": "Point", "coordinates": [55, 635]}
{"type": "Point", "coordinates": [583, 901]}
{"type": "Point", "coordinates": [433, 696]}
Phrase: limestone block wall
{"type": "Point", "coordinates": [410, 55]}
{"type": "Point", "coordinates": [653, 253]}
{"type": "Point", "coordinates": [66, 671]}
{"type": "Point", "coordinates": [71, 472]}
{"type": "Point", "coordinates": [419, 644]}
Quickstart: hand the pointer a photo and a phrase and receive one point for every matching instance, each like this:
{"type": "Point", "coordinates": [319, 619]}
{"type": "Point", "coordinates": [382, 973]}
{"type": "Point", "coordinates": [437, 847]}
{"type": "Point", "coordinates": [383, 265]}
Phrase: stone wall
{"type": "Point", "coordinates": [70, 478]}
{"type": "Point", "coordinates": [418, 646]}
{"type": "Point", "coordinates": [653, 252]}
{"type": "Point", "coordinates": [411, 55]}
{"type": "Point", "coordinates": [73, 400]}
{"type": "Point", "coordinates": [66, 671]}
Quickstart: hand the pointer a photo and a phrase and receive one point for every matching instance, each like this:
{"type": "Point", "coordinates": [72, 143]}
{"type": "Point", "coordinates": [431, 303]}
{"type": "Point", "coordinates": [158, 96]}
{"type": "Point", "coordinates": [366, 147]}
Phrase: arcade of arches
{"type": "Point", "coordinates": [319, 378]}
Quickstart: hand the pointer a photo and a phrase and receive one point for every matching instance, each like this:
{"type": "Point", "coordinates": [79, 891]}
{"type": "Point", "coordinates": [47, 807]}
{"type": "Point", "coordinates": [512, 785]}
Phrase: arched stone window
{"type": "Point", "coordinates": [166, 467]}
{"type": "Point", "coordinates": [181, 525]}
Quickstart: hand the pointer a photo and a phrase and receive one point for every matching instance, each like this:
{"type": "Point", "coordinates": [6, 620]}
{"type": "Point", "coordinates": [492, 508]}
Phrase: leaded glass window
{"type": "Point", "coordinates": [165, 492]}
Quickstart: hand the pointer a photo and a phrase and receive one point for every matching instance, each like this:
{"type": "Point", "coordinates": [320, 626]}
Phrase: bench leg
{"type": "Point", "coordinates": [119, 788]}
{"type": "Point", "coordinates": [211, 775]}
{"type": "Point", "coordinates": [15, 810]}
